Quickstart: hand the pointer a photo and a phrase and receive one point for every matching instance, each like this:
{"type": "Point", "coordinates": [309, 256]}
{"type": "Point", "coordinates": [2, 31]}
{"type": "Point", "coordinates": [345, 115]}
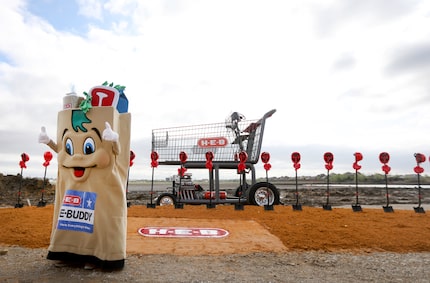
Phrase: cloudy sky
{"type": "Point", "coordinates": [344, 76]}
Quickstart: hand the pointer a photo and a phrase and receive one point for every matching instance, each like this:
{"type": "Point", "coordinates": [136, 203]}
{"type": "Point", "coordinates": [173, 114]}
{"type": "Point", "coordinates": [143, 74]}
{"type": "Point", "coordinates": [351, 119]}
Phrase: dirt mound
{"type": "Point", "coordinates": [14, 189]}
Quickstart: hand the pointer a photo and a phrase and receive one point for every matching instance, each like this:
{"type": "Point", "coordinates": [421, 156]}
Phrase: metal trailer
{"type": "Point", "coordinates": [225, 140]}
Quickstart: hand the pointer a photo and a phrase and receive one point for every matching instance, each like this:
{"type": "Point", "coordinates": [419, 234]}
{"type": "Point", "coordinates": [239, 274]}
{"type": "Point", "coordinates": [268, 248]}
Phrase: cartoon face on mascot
{"type": "Point", "coordinates": [93, 151]}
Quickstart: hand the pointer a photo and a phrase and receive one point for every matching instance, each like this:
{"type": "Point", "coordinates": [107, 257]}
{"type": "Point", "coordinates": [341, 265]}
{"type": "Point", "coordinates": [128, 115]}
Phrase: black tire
{"type": "Point", "coordinates": [166, 199]}
{"type": "Point", "coordinates": [257, 194]}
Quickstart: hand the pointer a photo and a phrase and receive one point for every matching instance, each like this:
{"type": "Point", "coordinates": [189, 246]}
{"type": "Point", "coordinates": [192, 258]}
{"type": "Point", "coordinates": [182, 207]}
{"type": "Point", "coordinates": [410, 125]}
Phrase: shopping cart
{"type": "Point", "coordinates": [226, 140]}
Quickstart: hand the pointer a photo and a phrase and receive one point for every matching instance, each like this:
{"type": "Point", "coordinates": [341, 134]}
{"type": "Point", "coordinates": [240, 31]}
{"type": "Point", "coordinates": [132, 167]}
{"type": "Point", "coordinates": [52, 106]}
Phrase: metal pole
{"type": "Point", "coordinates": [180, 185]}
{"type": "Point", "coordinates": [152, 185]}
{"type": "Point", "coordinates": [211, 186]}
{"type": "Point", "coordinates": [19, 204]}
{"type": "Point", "coordinates": [242, 178]}
{"type": "Point", "coordinates": [44, 181]}
{"type": "Point", "coordinates": [42, 203]}
{"type": "Point", "coordinates": [419, 191]}
{"type": "Point", "coordinates": [267, 189]}
{"type": "Point", "coordinates": [297, 192]}
{"type": "Point", "coordinates": [356, 187]}
{"type": "Point", "coordinates": [241, 185]}
{"type": "Point", "coordinates": [328, 186]}
{"type": "Point", "coordinates": [386, 190]}
{"type": "Point", "coordinates": [178, 203]}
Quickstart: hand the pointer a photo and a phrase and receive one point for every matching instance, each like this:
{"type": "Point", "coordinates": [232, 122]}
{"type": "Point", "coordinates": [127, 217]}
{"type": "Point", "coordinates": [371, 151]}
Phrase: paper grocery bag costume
{"type": "Point", "coordinates": [93, 146]}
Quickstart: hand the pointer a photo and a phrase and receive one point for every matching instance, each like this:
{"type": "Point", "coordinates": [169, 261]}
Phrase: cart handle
{"type": "Point", "coordinates": [269, 114]}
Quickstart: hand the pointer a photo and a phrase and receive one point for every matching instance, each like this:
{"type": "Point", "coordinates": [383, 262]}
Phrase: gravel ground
{"type": "Point", "coordinates": [30, 265]}
{"type": "Point", "coordinates": [26, 265]}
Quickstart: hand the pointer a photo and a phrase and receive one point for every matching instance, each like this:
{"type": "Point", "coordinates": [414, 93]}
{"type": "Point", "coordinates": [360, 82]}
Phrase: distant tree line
{"type": "Point", "coordinates": [349, 178]}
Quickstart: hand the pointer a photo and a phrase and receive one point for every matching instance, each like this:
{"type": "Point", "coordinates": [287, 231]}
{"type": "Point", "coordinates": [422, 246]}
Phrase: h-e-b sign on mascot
{"type": "Point", "coordinates": [93, 149]}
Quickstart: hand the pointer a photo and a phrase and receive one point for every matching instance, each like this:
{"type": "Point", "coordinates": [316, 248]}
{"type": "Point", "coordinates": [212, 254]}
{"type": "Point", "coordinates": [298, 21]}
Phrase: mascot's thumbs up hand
{"type": "Point", "coordinates": [109, 134]}
{"type": "Point", "coordinates": [43, 136]}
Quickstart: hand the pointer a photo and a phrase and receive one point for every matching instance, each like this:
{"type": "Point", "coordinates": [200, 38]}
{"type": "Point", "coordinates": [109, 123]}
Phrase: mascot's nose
{"type": "Point", "coordinates": [77, 156]}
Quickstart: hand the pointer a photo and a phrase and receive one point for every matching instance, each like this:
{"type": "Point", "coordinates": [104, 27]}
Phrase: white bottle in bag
{"type": "Point", "coordinates": [70, 101]}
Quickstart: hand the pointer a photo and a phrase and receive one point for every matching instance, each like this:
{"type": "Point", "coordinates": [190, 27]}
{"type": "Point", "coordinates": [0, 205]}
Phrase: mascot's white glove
{"type": "Point", "coordinates": [109, 134]}
{"type": "Point", "coordinates": [43, 136]}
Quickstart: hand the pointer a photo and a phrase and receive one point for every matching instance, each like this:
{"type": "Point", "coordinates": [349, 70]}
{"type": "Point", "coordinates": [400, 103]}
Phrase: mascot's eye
{"type": "Point", "coordinates": [69, 146]}
{"type": "Point", "coordinates": [89, 146]}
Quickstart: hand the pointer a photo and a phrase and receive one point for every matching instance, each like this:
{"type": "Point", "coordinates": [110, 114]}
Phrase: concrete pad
{"type": "Point", "coordinates": [245, 237]}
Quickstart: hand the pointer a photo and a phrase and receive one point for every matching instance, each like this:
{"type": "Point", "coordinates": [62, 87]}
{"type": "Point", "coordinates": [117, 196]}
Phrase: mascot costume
{"type": "Point", "coordinates": [93, 149]}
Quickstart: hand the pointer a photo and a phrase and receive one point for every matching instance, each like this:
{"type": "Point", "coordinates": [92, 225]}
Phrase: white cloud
{"type": "Point", "coordinates": [122, 7]}
{"type": "Point", "coordinates": [340, 74]}
{"type": "Point", "coordinates": [91, 9]}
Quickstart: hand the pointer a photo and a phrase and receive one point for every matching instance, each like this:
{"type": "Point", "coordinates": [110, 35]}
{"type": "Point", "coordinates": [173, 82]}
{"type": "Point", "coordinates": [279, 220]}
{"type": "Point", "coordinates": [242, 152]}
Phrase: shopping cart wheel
{"type": "Point", "coordinates": [166, 199]}
{"type": "Point", "coordinates": [263, 193]}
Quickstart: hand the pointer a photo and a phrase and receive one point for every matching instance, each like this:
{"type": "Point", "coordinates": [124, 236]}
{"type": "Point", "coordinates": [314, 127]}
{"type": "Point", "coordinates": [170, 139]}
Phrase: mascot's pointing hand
{"type": "Point", "coordinates": [109, 134]}
{"type": "Point", "coordinates": [43, 136]}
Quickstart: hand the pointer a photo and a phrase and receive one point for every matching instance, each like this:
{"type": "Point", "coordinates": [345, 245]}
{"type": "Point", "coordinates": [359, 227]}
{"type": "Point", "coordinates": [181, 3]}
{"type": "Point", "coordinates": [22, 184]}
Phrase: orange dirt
{"type": "Point", "coordinates": [251, 230]}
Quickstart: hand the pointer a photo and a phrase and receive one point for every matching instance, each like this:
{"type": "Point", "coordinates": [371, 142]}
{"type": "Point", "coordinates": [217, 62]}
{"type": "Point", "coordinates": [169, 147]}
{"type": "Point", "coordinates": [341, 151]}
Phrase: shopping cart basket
{"type": "Point", "coordinates": [225, 140]}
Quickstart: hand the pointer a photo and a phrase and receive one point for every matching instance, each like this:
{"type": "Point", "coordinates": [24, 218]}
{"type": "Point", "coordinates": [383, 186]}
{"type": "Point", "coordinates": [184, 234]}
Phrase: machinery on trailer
{"type": "Point", "coordinates": [185, 189]}
{"type": "Point", "coordinates": [226, 143]}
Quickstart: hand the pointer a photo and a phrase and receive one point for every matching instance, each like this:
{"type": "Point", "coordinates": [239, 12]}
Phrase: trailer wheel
{"type": "Point", "coordinates": [260, 193]}
{"type": "Point", "coordinates": [166, 199]}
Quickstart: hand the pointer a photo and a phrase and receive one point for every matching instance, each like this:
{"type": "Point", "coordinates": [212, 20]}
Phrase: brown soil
{"type": "Point", "coordinates": [311, 229]}
{"type": "Point", "coordinates": [282, 245]}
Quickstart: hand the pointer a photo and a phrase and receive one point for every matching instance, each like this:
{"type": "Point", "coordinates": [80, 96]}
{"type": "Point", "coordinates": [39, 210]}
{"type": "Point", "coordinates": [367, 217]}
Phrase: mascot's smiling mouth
{"type": "Point", "coordinates": [78, 171]}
